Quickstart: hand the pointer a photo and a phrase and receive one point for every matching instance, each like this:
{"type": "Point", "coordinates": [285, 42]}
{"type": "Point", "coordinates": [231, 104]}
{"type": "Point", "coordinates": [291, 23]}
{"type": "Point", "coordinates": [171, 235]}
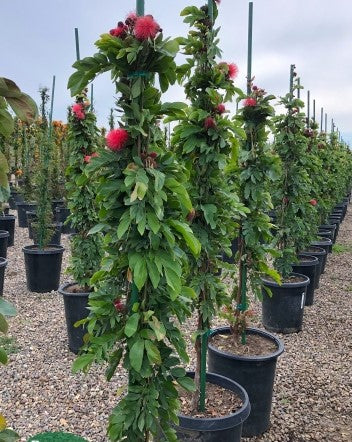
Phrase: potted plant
{"type": "Point", "coordinates": [86, 250]}
{"type": "Point", "coordinates": [43, 259]}
{"type": "Point", "coordinates": [205, 140]}
{"type": "Point", "coordinates": [7, 222]}
{"type": "Point", "coordinates": [249, 355]}
{"type": "Point", "coordinates": [139, 289]}
{"type": "Point", "coordinates": [58, 164]}
{"type": "Point", "coordinates": [282, 309]}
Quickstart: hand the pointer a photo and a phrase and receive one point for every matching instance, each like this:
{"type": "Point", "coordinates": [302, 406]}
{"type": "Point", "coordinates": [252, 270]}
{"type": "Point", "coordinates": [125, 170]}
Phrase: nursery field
{"type": "Point", "coordinates": [312, 395]}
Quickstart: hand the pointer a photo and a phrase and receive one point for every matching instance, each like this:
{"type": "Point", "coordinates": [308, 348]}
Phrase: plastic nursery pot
{"type": "Point", "coordinates": [322, 237]}
{"type": "Point", "coordinates": [56, 236]}
{"type": "Point", "coordinates": [336, 222]}
{"type": "Point", "coordinates": [323, 243]}
{"type": "Point", "coordinates": [331, 228]}
{"type": "Point", "coordinates": [31, 217]}
{"type": "Point", "coordinates": [3, 264]}
{"type": "Point", "coordinates": [61, 214]}
{"type": "Point", "coordinates": [256, 374]}
{"type": "Point", "coordinates": [22, 208]}
{"type": "Point", "coordinates": [326, 234]}
{"type": "Point", "coordinates": [43, 267]}
{"type": "Point", "coordinates": [7, 222]}
{"type": "Point", "coordinates": [56, 437]}
{"type": "Point", "coordinates": [234, 249]}
{"type": "Point", "coordinates": [15, 197]}
{"type": "Point", "coordinates": [337, 214]}
{"type": "Point", "coordinates": [282, 312]}
{"type": "Point", "coordinates": [57, 203]}
{"type": "Point", "coordinates": [219, 429]}
{"type": "Point", "coordinates": [309, 266]}
{"type": "Point", "coordinates": [319, 253]}
{"type": "Point", "coordinates": [4, 238]}
{"type": "Point", "coordinates": [75, 309]}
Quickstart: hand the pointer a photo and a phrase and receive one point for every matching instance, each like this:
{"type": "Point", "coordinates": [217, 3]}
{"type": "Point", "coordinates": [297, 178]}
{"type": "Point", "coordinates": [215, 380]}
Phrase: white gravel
{"type": "Point", "coordinates": [313, 392]}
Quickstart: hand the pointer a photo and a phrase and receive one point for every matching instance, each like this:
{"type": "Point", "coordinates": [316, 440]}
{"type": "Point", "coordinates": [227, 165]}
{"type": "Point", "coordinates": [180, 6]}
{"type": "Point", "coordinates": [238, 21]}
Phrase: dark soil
{"type": "Point", "coordinates": [291, 279]}
{"type": "Point", "coordinates": [219, 402]}
{"type": "Point", "coordinates": [75, 288]}
{"type": "Point", "coordinates": [255, 345]}
{"type": "Point", "coordinates": [312, 249]}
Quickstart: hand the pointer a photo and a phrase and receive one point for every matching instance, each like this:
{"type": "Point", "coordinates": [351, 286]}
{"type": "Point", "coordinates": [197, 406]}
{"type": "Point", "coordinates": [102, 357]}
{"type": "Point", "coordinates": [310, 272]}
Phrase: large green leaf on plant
{"type": "Point", "coordinates": [8, 436]}
{"type": "Point", "coordinates": [24, 107]}
{"type": "Point", "coordinates": [6, 123]}
{"type": "Point", "coordinates": [136, 354]}
{"type": "Point", "coordinates": [6, 308]}
{"type": "Point", "coordinates": [4, 183]}
{"type": "Point", "coordinates": [188, 236]}
{"type": "Point", "coordinates": [3, 324]}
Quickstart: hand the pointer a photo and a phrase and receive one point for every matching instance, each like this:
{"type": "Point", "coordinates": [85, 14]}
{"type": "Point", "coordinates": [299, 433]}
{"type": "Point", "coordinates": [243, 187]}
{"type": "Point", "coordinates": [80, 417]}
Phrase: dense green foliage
{"type": "Point", "coordinates": [86, 251]}
{"type": "Point", "coordinates": [139, 288]}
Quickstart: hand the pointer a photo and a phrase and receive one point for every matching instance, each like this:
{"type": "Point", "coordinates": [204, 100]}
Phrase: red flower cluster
{"type": "Point", "coordinates": [119, 306]}
{"type": "Point", "coordinates": [120, 31]}
{"type": "Point", "coordinates": [229, 69]}
{"type": "Point", "coordinates": [87, 158]}
{"type": "Point", "coordinates": [220, 109]}
{"type": "Point", "coordinates": [313, 202]}
{"type": "Point", "coordinates": [146, 27]}
{"type": "Point", "coordinates": [209, 123]}
{"type": "Point", "coordinates": [149, 159]}
{"type": "Point", "coordinates": [78, 110]}
{"type": "Point", "coordinates": [116, 139]}
{"type": "Point", "coordinates": [250, 102]}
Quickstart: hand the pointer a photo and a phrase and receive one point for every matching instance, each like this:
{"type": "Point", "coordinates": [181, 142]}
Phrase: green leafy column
{"type": "Point", "coordinates": [86, 250]}
{"type": "Point", "coordinates": [204, 140]}
{"type": "Point", "coordinates": [140, 291]}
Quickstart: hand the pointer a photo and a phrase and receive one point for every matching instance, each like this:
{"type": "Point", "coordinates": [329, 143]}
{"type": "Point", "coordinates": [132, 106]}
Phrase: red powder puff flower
{"type": "Point", "coordinates": [87, 158]}
{"type": "Point", "coordinates": [94, 154]}
{"type": "Point", "coordinates": [233, 70]}
{"type": "Point", "coordinates": [313, 202]}
{"type": "Point", "coordinates": [116, 139]}
{"type": "Point", "coordinates": [153, 155]}
{"type": "Point", "coordinates": [119, 306]}
{"type": "Point", "coordinates": [146, 27]}
{"type": "Point", "coordinates": [209, 123]}
{"type": "Point", "coordinates": [220, 108]}
{"type": "Point", "coordinates": [120, 31]}
{"type": "Point", "coordinates": [78, 110]}
{"type": "Point", "coordinates": [250, 102]}
{"type": "Point", "coordinates": [131, 17]}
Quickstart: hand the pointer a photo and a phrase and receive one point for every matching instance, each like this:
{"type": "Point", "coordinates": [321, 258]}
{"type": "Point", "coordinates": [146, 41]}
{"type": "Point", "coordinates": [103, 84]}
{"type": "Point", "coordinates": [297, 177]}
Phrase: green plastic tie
{"type": "Point", "coordinates": [137, 74]}
{"type": "Point", "coordinates": [203, 369]}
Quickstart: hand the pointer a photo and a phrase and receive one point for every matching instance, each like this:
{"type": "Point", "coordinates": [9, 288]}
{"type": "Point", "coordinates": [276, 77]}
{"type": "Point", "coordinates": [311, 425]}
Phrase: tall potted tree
{"type": "Point", "coordinates": [204, 140]}
{"type": "Point", "coordinates": [86, 250]}
{"type": "Point", "coordinates": [43, 260]}
{"type": "Point", "coordinates": [143, 202]}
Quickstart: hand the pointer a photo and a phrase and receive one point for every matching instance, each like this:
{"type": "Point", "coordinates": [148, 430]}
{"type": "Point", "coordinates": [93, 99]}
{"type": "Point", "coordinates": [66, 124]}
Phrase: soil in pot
{"type": "Point", "coordinates": [4, 238]}
{"type": "Point", "coordinates": [308, 266]}
{"type": "Point", "coordinates": [3, 264]}
{"type": "Point", "coordinates": [76, 308]}
{"type": "Point", "coordinates": [7, 222]}
{"type": "Point", "coordinates": [252, 365]}
{"type": "Point", "coordinates": [43, 267]}
{"type": "Point", "coordinates": [217, 428]}
{"type": "Point", "coordinates": [319, 253]}
{"type": "Point", "coordinates": [282, 312]}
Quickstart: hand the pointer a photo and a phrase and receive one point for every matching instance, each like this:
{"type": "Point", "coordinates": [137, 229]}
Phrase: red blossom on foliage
{"type": "Point", "coordinates": [94, 154]}
{"type": "Point", "coordinates": [87, 158]}
{"type": "Point", "coordinates": [220, 108]}
{"type": "Point", "coordinates": [251, 102]}
{"type": "Point", "coordinates": [233, 70]}
{"type": "Point", "coordinates": [131, 17]}
{"type": "Point", "coordinates": [78, 111]}
{"type": "Point", "coordinates": [255, 88]}
{"type": "Point", "coordinates": [209, 123]}
{"type": "Point", "coordinates": [153, 155]}
{"type": "Point", "coordinates": [116, 139]}
{"type": "Point", "coordinates": [146, 27]}
{"type": "Point", "coordinates": [313, 202]}
{"type": "Point", "coordinates": [119, 306]}
{"type": "Point", "coordinates": [119, 32]}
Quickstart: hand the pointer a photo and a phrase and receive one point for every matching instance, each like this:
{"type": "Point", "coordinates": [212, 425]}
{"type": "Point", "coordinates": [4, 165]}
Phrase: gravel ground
{"type": "Point", "coordinates": [313, 392]}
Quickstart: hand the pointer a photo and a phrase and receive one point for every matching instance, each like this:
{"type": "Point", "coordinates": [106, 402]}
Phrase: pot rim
{"type": "Point", "coordinates": [5, 217]}
{"type": "Point", "coordinates": [288, 284]}
{"type": "Point", "coordinates": [4, 234]}
{"type": "Point", "coordinates": [313, 262]}
{"type": "Point", "coordinates": [221, 422]}
{"type": "Point", "coordinates": [320, 252]}
{"type": "Point", "coordinates": [254, 358]}
{"type": "Point", "coordinates": [3, 262]}
{"type": "Point", "coordinates": [34, 250]}
{"type": "Point", "coordinates": [64, 286]}
{"type": "Point", "coordinates": [325, 241]}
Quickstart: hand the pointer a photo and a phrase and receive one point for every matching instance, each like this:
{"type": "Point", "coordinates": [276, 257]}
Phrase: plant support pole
{"type": "Point", "coordinates": [211, 10]}
{"type": "Point", "coordinates": [91, 97]}
{"type": "Point", "coordinates": [314, 110]}
{"type": "Point", "coordinates": [299, 88]}
{"type": "Point", "coordinates": [77, 44]}
{"type": "Point", "coordinates": [51, 106]}
{"type": "Point", "coordinates": [308, 108]}
{"type": "Point", "coordinates": [326, 123]}
{"type": "Point", "coordinates": [250, 45]}
{"type": "Point", "coordinates": [140, 7]}
{"type": "Point", "coordinates": [292, 69]}
{"type": "Point", "coordinates": [321, 119]}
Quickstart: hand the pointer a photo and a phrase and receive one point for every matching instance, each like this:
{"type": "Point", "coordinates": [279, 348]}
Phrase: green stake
{"type": "Point", "coordinates": [314, 110]}
{"type": "Point", "coordinates": [326, 123]}
{"type": "Point", "coordinates": [299, 89]}
{"type": "Point", "coordinates": [332, 125]}
{"type": "Point", "coordinates": [292, 71]}
{"type": "Point", "coordinates": [91, 97]}
{"type": "Point", "coordinates": [308, 107]}
{"type": "Point", "coordinates": [211, 10]}
{"type": "Point", "coordinates": [250, 46]}
{"type": "Point", "coordinates": [77, 44]}
{"type": "Point", "coordinates": [321, 119]}
{"type": "Point", "coordinates": [203, 370]}
{"type": "Point", "coordinates": [51, 106]}
{"type": "Point", "coordinates": [140, 7]}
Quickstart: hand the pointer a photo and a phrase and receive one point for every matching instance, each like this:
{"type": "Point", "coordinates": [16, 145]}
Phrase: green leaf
{"type": "Point", "coordinates": [152, 353]}
{"type": "Point", "coordinates": [153, 222]}
{"type": "Point", "coordinates": [209, 211]}
{"type": "Point", "coordinates": [187, 383]}
{"type": "Point", "coordinates": [158, 328]}
{"type": "Point", "coordinates": [173, 281]}
{"type": "Point", "coordinates": [124, 225]}
{"type": "Point", "coordinates": [180, 191]}
{"type": "Point", "coordinates": [114, 362]}
{"type": "Point", "coordinates": [6, 123]}
{"type": "Point", "coordinates": [178, 372]}
{"type": "Point", "coordinates": [24, 107]}
{"type": "Point", "coordinates": [153, 272]}
{"type": "Point", "coordinates": [97, 228]}
{"type": "Point", "coordinates": [82, 362]}
{"type": "Point", "coordinates": [6, 308]}
{"type": "Point", "coordinates": [136, 355]}
{"type": "Point", "coordinates": [3, 324]}
{"type": "Point", "coordinates": [8, 436]}
{"type": "Point", "coordinates": [170, 48]}
{"type": "Point", "coordinates": [137, 88]}
{"type": "Point", "coordinates": [132, 324]}
{"type": "Point", "coordinates": [3, 356]}
{"type": "Point", "coordinates": [188, 236]}
{"type": "Point", "coordinates": [140, 272]}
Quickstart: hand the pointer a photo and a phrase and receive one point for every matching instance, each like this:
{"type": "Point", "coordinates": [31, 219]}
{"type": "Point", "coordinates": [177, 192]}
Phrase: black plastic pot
{"type": "Point", "coordinates": [337, 214]}
{"type": "Point", "coordinates": [326, 234]}
{"type": "Point", "coordinates": [31, 217]}
{"type": "Point", "coordinates": [319, 253]}
{"type": "Point", "coordinates": [331, 228]}
{"type": "Point", "coordinates": [4, 238]}
{"type": "Point", "coordinates": [57, 203]}
{"type": "Point", "coordinates": [22, 208]}
{"type": "Point", "coordinates": [256, 374]}
{"type": "Point", "coordinates": [323, 243]}
{"type": "Point", "coordinates": [311, 270]}
{"type": "Point", "coordinates": [55, 238]}
{"type": "Point", "coordinates": [324, 237]}
{"type": "Point", "coordinates": [62, 213]}
{"type": "Point", "coordinates": [75, 309]}
{"type": "Point", "coordinates": [234, 249]}
{"type": "Point", "coordinates": [7, 222]}
{"type": "Point", "coordinates": [15, 197]}
{"type": "Point", "coordinates": [283, 311]}
{"type": "Point", "coordinates": [43, 267]}
{"type": "Point", "coordinates": [219, 429]}
{"type": "Point", "coordinates": [3, 264]}
{"type": "Point", "coordinates": [336, 222]}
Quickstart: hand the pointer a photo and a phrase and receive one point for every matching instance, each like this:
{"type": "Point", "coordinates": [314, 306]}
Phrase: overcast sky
{"type": "Point", "coordinates": [37, 41]}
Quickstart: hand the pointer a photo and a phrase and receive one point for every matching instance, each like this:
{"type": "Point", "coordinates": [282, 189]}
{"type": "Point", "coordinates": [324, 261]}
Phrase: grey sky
{"type": "Point", "coordinates": [37, 41]}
